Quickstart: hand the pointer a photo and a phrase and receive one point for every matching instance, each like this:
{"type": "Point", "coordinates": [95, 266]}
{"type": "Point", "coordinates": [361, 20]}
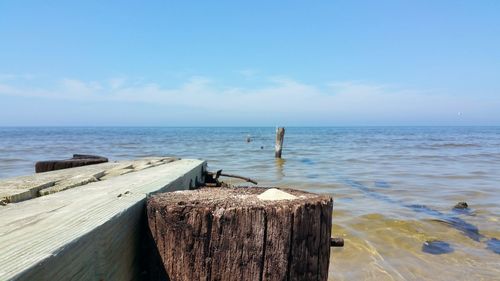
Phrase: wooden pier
{"type": "Point", "coordinates": [119, 221]}
{"type": "Point", "coordinates": [94, 229]}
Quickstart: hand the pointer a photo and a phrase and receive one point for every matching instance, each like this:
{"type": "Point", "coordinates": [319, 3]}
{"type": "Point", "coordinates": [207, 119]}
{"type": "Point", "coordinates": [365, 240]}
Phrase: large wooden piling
{"type": "Point", "coordinates": [242, 234]}
{"type": "Point", "coordinates": [280, 135]}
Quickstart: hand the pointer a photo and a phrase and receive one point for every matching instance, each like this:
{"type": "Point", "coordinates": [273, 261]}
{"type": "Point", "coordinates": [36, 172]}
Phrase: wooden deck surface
{"type": "Point", "coordinates": [89, 232]}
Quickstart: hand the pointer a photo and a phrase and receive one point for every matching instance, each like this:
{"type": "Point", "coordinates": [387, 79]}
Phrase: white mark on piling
{"type": "Point", "coordinates": [276, 194]}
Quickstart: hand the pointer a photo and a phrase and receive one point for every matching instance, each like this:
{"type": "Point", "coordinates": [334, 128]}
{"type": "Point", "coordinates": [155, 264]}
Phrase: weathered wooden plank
{"type": "Point", "coordinates": [27, 187]}
{"type": "Point", "coordinates": [90, 232]}
{"type": "Point", "coordinates": [78, 160]}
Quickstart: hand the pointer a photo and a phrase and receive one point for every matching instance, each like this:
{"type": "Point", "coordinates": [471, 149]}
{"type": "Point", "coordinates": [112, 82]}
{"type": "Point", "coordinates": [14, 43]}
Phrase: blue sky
{"type": "Point", "coordinates": [230, 63]}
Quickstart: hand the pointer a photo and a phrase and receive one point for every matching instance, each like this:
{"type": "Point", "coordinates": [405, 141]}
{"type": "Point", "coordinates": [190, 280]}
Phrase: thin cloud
{"type": "Point", "coordinates": [248, 73]}
{"type": "Point", "coordinates": [280, 98]}
{"type": "Point", "coordinates": [10, 77]}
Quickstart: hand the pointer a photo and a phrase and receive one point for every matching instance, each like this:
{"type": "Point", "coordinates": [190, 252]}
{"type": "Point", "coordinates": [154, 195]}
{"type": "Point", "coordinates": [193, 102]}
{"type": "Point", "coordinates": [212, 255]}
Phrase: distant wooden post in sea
{"type": "Point", "coordinates": [280, 135]}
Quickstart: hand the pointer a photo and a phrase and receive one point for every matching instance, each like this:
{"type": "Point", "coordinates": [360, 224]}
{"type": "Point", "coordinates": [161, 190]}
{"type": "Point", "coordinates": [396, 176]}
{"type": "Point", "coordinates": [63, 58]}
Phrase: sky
{"type": "Point", "coordinates": [250, 63]}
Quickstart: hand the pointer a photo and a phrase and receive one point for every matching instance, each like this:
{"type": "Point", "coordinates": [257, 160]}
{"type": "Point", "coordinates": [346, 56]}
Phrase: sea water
{"type": "Point", "coordinates": [394, 188]}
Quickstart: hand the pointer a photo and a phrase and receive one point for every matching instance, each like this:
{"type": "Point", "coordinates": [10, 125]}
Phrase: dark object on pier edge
{"type": "Point", "coordinates": [212, 178]}
{"type": "Point", "coordinates": [77, 161]}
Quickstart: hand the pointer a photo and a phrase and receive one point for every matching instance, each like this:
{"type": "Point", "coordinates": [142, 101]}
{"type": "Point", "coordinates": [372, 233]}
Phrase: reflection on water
{"type": "Point", "coordinates": [494, 245]}
{"type": "Point", "coordinates": [382, 184]}
{"type": "Point", "coordinates": [280, 168]}
{"type": "Point", "coordinates": [394, 188]}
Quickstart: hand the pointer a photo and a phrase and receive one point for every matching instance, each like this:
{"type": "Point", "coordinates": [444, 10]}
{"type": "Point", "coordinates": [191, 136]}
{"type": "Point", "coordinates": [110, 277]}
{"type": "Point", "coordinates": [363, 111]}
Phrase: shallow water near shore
{"type": "Point", "coordinates": [394, 188]}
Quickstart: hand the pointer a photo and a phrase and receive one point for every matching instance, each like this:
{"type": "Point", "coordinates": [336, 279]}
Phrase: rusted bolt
{"type": "Point", "coordinates": [336, 242]}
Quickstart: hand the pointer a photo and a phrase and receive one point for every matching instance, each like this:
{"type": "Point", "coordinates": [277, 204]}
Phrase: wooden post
{"type": "Point", "coordinates": [280, 135]}
{"type": "Point", "coordinates": [242, 234]}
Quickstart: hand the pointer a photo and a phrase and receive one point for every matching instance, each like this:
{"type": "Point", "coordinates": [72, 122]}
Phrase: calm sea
{"type": "Point", "coordinates": [394, 188]}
